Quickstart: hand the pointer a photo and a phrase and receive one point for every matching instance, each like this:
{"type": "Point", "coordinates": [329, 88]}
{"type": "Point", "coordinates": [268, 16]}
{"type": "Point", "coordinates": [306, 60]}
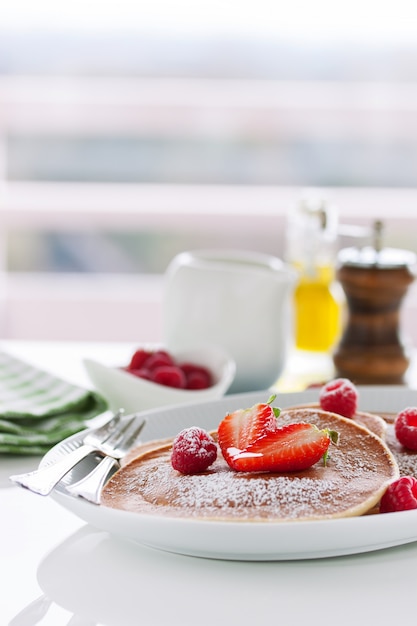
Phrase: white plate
{"type": "Point", "coordinates": [246, 540]}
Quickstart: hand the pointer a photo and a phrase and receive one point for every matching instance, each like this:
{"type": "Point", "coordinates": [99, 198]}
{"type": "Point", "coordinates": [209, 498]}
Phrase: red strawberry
{"type": "Point", "coordinates": [244, 426]}
{"type": "Point", "coordinates": [291, 448]}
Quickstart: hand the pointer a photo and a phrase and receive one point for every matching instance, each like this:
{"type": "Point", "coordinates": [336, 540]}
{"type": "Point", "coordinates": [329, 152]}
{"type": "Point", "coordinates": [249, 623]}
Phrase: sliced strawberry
{"type": "Point", "coordinates": [291, 448]}
{"type": "Point", "coordinates": [244, 426]}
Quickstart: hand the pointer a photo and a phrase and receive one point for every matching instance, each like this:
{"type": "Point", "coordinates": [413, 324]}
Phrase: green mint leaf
{"type": "Point", "coordinates": [334, 436]}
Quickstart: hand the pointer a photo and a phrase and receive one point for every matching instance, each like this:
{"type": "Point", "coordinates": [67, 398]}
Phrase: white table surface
{"type": "Point", "coordinates": [56, 570]}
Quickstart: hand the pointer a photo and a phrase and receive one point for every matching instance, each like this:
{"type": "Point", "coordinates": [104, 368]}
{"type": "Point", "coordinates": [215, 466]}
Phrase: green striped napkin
{"type": "Point", "coordinates": [37, 410]}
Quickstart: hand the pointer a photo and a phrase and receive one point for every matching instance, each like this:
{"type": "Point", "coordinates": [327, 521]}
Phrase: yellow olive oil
{"type": "Point", "coordinates": [311, 241]}
{"type": "Point", "coordinates": [317, 310]}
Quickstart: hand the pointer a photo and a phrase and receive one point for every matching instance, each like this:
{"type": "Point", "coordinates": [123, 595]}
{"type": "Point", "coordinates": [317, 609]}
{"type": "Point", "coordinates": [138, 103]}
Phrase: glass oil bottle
{"type": "Point", "coordinates": [311, 240]}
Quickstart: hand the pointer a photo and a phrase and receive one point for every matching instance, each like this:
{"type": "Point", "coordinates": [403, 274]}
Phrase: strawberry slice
{"type": "Point", "coordinates": [243, 427]}
{"type": "Point", "coordinates": [290, 448]}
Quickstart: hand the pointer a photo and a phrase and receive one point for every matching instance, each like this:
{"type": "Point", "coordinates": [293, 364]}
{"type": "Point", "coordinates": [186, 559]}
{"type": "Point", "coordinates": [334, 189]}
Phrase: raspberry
{"type": "Point", "coordinates": [168, 375]}
{"type": "Point", "coordinates": [197, 380]}
{"type": "Point", "coordinates": [161, 367]}
{"type": "Point", "coordinates": [159, 358]}
{"type": "Point", "coordinates": [198, 377]}
{"type": "Point", "coordinates": [193, 451]}
{"type": "Point", "coordinates": [339, 396]}
{"type": "Point", "coordinates": [401, 495]}
{"type": "Point", "coordinates": [141, 373]}
{"type": "Point", "coordinates": [405, 426]}
{"type": "Point", "coordinates": [138, 359]}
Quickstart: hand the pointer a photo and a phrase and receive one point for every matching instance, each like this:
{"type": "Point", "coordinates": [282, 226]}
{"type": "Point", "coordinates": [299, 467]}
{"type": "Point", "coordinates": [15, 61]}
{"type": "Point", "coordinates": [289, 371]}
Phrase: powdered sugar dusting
{"type": "Point", "coordinates": [193, 450]}
{"type": "Point", "coordinates": [406, 459]}
{"type": "Point", "coordinates": [358, 470]}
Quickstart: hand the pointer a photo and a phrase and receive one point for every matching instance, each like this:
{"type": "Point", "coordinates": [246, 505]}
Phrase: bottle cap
{"type": "Point", "coordinates": [376, 256]}
{"type": "Point", "coordinates": [311, 234]}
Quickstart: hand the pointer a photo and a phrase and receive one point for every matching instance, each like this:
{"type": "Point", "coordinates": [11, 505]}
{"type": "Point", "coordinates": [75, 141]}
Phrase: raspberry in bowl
{"type": "Point", "coordinates": [152, 376]}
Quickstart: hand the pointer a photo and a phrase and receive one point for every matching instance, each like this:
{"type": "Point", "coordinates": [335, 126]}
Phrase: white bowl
{"type": "Point", "coordinates": [123, 390]}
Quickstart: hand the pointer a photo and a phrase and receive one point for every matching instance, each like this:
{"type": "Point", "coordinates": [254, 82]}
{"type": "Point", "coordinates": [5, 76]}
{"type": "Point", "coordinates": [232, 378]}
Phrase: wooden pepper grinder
{"type": "Point", "coordinates": [375, 281]}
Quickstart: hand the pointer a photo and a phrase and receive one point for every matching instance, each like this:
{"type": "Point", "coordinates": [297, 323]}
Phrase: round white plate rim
{"type": "Point", "coordinates": [262, 541]}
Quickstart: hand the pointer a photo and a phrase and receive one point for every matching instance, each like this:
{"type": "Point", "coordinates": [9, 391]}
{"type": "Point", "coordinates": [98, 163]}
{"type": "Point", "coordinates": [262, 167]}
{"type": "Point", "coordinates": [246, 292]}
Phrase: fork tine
{"type": "Point", "coordinates": [123, 438]}
{"type": "Point", "coordinates": [131, 434]}
{"type": "Point", "coordinates": [118, 436]}
{"type": "Point", "coordinates": [91, 485]}
{"type": "Point", "coordinates": [109, 427]}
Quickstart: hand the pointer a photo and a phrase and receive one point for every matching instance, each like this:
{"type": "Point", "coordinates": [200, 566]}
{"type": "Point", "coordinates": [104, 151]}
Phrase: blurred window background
{"type": "Point", "coordinates": [130, 131]}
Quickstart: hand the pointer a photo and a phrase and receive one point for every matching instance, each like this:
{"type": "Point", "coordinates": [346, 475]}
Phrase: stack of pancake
{"type": "Point", "coordinates": [351, 483]}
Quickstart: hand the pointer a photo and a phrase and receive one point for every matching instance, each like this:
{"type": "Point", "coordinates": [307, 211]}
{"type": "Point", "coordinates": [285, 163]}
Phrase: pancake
{"type": "Point", "coordinates": [406, 459]}
{"type": "Point", "coordinates": [372, 422]}
{"type": "Point", "coordinates": [383, 426]}
{"type": "Point", "coordinates": [375, 423]}
{"type": "Point", "coordinates": [357, 473]}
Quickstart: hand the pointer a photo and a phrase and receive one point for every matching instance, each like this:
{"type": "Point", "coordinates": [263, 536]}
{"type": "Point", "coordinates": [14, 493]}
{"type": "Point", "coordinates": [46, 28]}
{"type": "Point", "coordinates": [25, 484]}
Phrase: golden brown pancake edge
{"type": "Point", "coordinates": [358, 471]}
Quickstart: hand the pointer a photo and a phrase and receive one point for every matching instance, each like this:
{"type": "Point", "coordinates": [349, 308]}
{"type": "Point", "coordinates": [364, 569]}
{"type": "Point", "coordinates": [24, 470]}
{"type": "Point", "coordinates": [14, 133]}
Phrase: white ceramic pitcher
{"type": "Point", "coordinates": [237, 300]}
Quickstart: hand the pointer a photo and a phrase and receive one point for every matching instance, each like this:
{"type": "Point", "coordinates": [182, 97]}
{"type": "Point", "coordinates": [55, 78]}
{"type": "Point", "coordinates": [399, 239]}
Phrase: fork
{"type": "Point", "coordinates": [91, 485]}
{"type": "Point", "coordinates": [44, 479]}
